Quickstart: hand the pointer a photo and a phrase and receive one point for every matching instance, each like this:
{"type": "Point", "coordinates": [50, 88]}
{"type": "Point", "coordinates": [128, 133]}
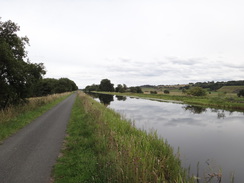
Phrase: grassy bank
{"type": "Point", "coordinates": [103, 147]}
{"type": "Point", "coordinates": [16, 117]}
{"type": "Point", "coordinates": [219, 100]}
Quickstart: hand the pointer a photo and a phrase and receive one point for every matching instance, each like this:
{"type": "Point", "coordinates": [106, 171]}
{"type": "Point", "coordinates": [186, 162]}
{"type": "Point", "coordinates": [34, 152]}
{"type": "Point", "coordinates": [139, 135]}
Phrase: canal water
{"type": "Point", "coordinates": [210, 141]}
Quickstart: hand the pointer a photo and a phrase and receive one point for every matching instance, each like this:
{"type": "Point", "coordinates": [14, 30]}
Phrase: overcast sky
{"type": "Point", "coordinates": [135, 42]}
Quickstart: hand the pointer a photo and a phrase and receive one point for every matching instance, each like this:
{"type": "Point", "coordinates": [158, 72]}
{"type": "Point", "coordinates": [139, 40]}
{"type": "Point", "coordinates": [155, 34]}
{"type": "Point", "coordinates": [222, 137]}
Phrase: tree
{"type": "Point", "coordinates": [106, 85]}
{"type": "Point", "coordinates": [240, 93]}
{"type": "Point", "coordinates": [93, 87]}
{"type": "Point", "coordinates": [166, 91]}
{"type": "Point", "coordinates": [121, 88]}
{"type": "Point", "coordinates": [18, 77]}
{"type": "Point", "coordinates": [197, 91]}
{"type": "Point", "coordinates": [136, 89]}
{"type": "Point", "coordinates": [49, 86]}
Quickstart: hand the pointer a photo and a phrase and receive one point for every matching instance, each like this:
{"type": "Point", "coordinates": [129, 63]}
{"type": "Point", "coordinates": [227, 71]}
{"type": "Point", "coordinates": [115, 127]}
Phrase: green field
{"type": "Point", "coordinates": [231, 89]}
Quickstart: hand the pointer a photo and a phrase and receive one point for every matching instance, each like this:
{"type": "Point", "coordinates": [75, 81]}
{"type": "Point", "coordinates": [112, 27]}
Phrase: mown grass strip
{"type": "Point", "coordinates": [16, 117]}
{"type": "Point", "coordinates": [103, 147]}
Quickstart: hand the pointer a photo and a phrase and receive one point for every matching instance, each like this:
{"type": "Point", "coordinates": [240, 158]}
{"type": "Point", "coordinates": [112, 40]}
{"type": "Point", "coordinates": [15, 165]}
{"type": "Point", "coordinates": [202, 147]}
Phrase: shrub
{"type": "Point", "coordinates": [166, 91]}
{"type": "Point", "coordinates": [197, 91]}
{"type": "Point", "coordinates": [240, 93]}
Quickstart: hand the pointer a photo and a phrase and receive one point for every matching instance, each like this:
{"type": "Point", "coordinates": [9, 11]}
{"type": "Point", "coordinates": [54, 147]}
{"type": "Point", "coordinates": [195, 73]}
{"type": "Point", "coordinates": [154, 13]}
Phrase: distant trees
{"type": "Point", "coordinates": [240, 93]}
{"type": "Point", "coordinates": [121, 88]}
{"type": "Point", "coordinates": [50, 86]}
{"type": "Point", "coordinates": [106, 85]}
{"type": "Point", "coordinates": [93, 87]}
{"type": "Point", "coordinates": [166, 92]}
{"type": "Point", "coordinates": [136, 89]}
{"type": "Point", "coordinates": [213, 86]}
{"type": "Point", "coordinates": [18, 78]}
{"type": "Point", "coordinates": [196, 91]}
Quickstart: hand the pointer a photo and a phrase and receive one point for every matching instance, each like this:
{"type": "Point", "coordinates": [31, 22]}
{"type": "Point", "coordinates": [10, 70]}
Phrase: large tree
{"type": "Point", "coordinates": [106, 85]}
{"type": "Point", "coordinates": [18, 76]}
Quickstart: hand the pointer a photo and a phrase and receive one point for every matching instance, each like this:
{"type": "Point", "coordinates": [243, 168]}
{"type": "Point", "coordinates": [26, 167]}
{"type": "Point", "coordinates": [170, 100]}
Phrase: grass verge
{"type": "Point", "coordinates": [16, 117]}
{"type": "Point", "coordinates": [220, 101]}
{"type": "Point", "coordinates": [103, 147]}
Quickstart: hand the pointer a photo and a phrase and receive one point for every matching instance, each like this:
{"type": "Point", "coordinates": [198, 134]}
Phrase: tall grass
{"type": "Point", "coordinates": [103, 147]}
{"type": "Point", "coordinates": [16, 117]}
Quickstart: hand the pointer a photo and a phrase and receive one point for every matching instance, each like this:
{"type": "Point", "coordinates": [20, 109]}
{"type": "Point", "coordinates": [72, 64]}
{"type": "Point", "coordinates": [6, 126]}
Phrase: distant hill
{"type": "Point", "coordinates": [231, 89]}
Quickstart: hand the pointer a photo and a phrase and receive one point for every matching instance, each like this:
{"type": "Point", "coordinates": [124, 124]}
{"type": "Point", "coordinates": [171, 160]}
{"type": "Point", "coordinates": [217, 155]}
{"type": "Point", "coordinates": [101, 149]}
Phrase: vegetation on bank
{"type": "Point", "coordinates": [19, 78]}
{"type": "Point", "coordinates": [220, 100]}
{"type": "Point", "coordinates": [15, 117]}
{"type": "Point", "coordinates": [103, 147]}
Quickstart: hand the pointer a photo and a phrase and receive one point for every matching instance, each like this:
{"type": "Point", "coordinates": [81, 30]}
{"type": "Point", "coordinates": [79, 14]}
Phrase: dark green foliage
{"type": "Point", "coordinates": [213, 86]}
{"type": "Point", "coordinates": [50, 86]}
{"type": "Point", "coordinates": [166, 91]}
{"type": "Point", "coordinates": [153, 92]}
{"type": "Point", "coordinates": [240, 93]}
{"type": "Point", "coordinates": [92, 88]}
{"type": "Point", "coordinates": [197, 91]}
{"type": "Point", "coordinates": [136, 89]}
{"type": "Point", "coordinates": [106, 85]}
{"type": "Point", "coordinates": [18, 78]}
{"type": "Point", "coordinates": [121, 88]}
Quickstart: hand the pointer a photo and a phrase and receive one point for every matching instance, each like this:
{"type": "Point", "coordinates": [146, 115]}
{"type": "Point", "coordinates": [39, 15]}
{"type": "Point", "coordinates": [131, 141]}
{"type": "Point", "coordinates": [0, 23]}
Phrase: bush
{"type": "Point", "coordinates": [240, 93]}
{"type": "Point", "coordinates": [166, 91]}
{"type": "Point", "coordinates": [197, 91]}
{"type": "Point", "coordinates": [153, 92]}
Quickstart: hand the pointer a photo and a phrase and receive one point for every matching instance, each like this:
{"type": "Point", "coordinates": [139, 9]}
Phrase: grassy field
{"type": "Point", "coordinates": [102, 147]}
{"type": "Point", "coordinates": [231, 89]}
{"type": "Point", "coordinates": [16, 117]}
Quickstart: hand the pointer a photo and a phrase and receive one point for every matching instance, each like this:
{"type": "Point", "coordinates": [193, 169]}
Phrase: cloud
{"type": "Point", "coordinates": [189, 61]}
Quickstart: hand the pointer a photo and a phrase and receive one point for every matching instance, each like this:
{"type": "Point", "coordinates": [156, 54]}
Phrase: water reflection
{"type": "Point", "coordinates": [194, 109]}
{"type": "Point", "coordinates": [93, 95]}
{"type": "Point", "coordinates": [201, 134]}
{"type": "Point", "coordinates": [121, 98]}
{"type": "Point", "coordinates": [106, 99]}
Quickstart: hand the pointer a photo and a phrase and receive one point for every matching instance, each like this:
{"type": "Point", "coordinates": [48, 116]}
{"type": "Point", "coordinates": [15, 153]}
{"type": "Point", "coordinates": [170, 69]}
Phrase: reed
{"type": "Point", "coordinates": [103, 147]}
{"type": "Point", "coordinates": [16, 117]}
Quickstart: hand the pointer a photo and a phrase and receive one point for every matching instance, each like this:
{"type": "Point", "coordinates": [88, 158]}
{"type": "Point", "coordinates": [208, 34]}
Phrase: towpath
{"type": "Point", "coordinates": [28, 156]}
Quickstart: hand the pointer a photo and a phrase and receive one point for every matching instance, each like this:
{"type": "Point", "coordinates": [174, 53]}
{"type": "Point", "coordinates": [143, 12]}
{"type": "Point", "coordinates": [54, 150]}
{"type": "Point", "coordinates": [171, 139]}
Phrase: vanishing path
{"type": "Point", "coordinates": [28, 156]}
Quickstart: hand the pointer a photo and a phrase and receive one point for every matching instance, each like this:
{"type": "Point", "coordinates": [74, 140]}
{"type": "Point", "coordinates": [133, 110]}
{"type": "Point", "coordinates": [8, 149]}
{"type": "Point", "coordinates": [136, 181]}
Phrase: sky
{"type": "Point", "coordinates": [133, 42]}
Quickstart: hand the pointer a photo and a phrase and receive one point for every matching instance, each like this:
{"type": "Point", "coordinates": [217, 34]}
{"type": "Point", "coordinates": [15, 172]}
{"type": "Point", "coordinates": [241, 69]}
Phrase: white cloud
{"type": "Point", "coordinates": [134, 42]}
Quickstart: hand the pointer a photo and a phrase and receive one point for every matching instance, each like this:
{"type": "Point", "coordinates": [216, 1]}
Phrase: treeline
{"type": "Point", "coordinates": [213, 86]}
{"type": "Point", "coordinates": [19, 78]}
{"type": "Point", "coordinates": [106, 85]}
{"type": "Point", "coordinates": [49, 86]}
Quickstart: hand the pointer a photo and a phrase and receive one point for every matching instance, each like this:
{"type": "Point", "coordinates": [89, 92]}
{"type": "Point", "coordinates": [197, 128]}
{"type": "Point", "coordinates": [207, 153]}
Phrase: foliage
{"type": "Point", "coordinates": [166, 91]}
{"type": "Point", "coordinates": [121, 88]}
{"type": "Point", "coordinates": [213, 86]}
{"type": "Point", "coordinates": [153, 92]}
{"type": "Point", "coordinates": [93, 87]}
{"type": "Point", "coordinates": [50, 86]}
{"type": "Point", "coordinates": [106, 85]}
{"type": "Point", "coordinates": [136, 89]}
{"type": "Point", "coordinates": [240, 93]}
{"type": "Point", "coordinates": [18, 78]}
{"type": "Point", "coordinates": [197, 91]}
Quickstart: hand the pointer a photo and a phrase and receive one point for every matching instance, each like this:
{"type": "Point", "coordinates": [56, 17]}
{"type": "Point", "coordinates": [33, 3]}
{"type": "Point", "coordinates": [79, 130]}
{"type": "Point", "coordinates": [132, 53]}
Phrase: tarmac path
{"type": "Point", "coordinates": [29, 155]}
